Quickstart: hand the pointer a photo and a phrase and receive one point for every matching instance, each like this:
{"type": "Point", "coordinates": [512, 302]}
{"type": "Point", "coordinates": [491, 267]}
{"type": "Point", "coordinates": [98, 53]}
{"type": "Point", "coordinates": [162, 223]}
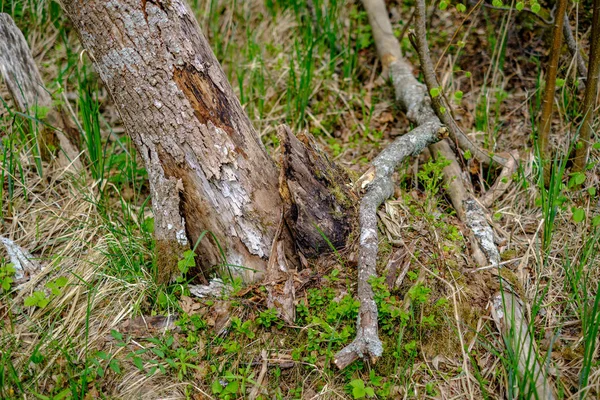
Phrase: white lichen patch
{"type": "Point", "coordinates": [181, 237]}
{"type": "Point", "coordinates": [116, 60]}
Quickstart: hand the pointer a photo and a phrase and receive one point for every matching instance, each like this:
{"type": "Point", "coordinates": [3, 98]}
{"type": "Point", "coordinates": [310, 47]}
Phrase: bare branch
{"type": "Point", "coordinates": [379, 187]}
{"type": "Point", "coordinates": [441, 108]}
{"type": "Point", "coordinates": [573, 48]}
{"type": "Point", "coordinates": [23, 80]}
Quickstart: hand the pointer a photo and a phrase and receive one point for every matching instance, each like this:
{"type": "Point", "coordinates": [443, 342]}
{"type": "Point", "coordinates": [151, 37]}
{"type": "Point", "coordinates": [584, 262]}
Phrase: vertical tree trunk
{"type": "Point", "coordinates": [207, 167]}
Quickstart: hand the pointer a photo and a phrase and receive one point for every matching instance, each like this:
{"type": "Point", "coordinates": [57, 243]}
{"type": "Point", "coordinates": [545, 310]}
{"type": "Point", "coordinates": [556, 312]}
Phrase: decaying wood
{"type": "Point", "coordinates": [378, 188]}
{"type": "Point", "coordinates": [207, 167]}
{"type": "Point", "coordinates": [507, 312]}
{"type": "Point", "coordinates": [23, 80]}
{"type": "Point", "coordinates": [24, 263]}
{"type": "Point", "coordinates": [548, 101]}
{"type": "Point", "coordinates": [318, 206]}
{"type": "Point", "coordinates": [591, 93]}
{"type": "Point", "coordinates": [412, 97]}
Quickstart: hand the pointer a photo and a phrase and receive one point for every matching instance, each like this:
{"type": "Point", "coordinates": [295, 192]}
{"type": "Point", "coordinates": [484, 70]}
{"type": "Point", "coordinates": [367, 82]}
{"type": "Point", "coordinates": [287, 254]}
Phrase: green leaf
{"type": "Point", "coordinates": [578, 214]}
{"type": "Point", "coordinates": [443, 5]}
{"type": "Point", "coordinates": [114, 366]}
{"type": "Point", "coordinates": [443, 110]}
{"type": "Point", "coordinates": [458, 95]}
{"type": "Point", "coordinates": [116, 335]}
{"type": "Point", "coordinates": [497, 3]}
{"type": "Point", "coordinates": [536, 8]}
{"type": "Point", "coordinates": [461, 8]}
{"type": "Point", "coordinates": [596, 220]}
{"type": "Point", "coordinates": [434, 92]}
{"type": "Point", "coordinates": [137, 361]}
{"type": "Point", "coordinates": [560, 82]}
{"type": "Point", "coordinates": [467, 155]}
{"type": "Point", "coordinates": [358, 388]}
{"type": "Point", "coordinates": [216, 387]}
{"type": "Point", "coordinates": [592, 191]}
{"type": "Point", "coordinates": [460, 44]}
{"type": "Point", "coordinates": [520, 5]}
{"type": "Point", "coordinates": [596, 146]}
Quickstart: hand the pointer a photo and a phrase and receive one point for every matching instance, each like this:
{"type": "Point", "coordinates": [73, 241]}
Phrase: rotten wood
{"type": "Point", "coordinates": [319, 207]}
{"type": "Point", "coordinates": [50, 122]}
{"type": "Point", "coordinates": [207, 168]}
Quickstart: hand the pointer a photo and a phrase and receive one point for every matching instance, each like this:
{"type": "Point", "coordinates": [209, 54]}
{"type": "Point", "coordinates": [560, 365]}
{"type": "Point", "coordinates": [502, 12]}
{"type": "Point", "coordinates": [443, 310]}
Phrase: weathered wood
{"type": "Point", "coordinates": [207, 167]}
{"type": "Point", "coordinates": [31, 97]}
{"type": "Point", "coordinates": [318, 205]}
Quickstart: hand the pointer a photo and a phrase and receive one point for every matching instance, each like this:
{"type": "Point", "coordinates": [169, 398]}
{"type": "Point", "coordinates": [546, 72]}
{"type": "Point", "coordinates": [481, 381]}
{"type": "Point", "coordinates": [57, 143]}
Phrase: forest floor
{"type": "Point", "coordinates": [95, 324]}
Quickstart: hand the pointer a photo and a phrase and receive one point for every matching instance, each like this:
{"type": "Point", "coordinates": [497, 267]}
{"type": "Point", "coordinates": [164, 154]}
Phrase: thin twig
{"type": "Point", "coordinates": [440, 107]}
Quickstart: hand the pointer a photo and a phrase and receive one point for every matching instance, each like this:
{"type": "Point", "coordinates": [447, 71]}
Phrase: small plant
{"type": "Point", "coordinates": [6, 276]}
{"type": "Point", "coordinates": [40, 299]}
{"type": "Point", "coordinates": [267, 318]}
{"type": "Point", "coordinates": [360, 390]}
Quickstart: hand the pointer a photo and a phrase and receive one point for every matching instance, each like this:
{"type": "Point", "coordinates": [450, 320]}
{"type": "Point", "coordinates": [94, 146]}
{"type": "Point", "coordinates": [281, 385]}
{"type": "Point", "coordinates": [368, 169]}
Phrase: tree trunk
{"type": "Point", "coordinates": [207, 167]}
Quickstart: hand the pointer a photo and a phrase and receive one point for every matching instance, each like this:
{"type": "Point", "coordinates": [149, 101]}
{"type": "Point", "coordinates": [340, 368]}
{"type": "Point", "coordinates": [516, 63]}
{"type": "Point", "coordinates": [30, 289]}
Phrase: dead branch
{"type": "Point", "coordinates": [485, 251]}
{"type": "Point", "coordinates": [548, 102]}
{"type": "Point", "coordinates": [31, 97]}
{"type": "Point", "coordinates": [412, 97]}
{"type": "Point", "coordinates": [440, 106]}
{"type": "Point", "coordinates": [379, 187]}
{"type": "Point", "coordinates": [591, 92]}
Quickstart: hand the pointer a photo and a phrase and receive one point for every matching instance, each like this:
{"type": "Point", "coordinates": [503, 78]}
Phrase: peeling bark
{"type": "Point", "coordinates": [207, 167]}
{"type": "Point", "coordinates": [31, 97]}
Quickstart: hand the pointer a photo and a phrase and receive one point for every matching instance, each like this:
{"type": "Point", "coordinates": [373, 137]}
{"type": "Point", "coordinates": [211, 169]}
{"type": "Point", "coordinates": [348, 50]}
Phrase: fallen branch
{"type": "Point", "coordinates": [379, 186]}
{"type": "Point", "coordinates": [482, 238]}
{"type": "Point", "coordinates": [503, 181]}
